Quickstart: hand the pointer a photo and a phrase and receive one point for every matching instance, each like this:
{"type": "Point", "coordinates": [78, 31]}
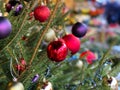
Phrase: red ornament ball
{"type": "Point", "coordinates": [23, 62]}
{"type": "Point", "coordinates": [89, 56]}
{"type": "Point", "coordinates": [31, 15]}
{"type": "Point", "coordinates": [41, 13]}
{"type": "Point", "coordinates": [22, 66]}
{"type": "Point", "coordinates": [57, 50]}
{"type": "Point", "coordinates": [72, 42]}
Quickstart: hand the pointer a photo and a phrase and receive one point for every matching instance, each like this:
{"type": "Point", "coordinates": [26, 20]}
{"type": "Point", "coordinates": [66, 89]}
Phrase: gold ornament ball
{"type": "Point", "coordinates": [50, 36]}
{"type": "Point", "coordinates": [111, 82]}
{"type": "Point", "coordinates": [15, 86]}
{"type": "Point", "coordinates": [79, 64]}
{"type": "Point", "coordinates": [44, 86]}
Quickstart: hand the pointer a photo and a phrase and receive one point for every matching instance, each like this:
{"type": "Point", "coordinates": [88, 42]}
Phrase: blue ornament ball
{"type": "Point", "coordinates": [5, 27]}
{"type": "Point", "coordinates": [79, 29]}
{"type": "Point", "coordinates": [112, 12]}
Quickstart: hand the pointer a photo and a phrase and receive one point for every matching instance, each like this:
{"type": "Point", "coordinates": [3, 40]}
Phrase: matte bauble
{"type": "Point", "coordinates": [5, 27]}
{"type": "Point", "coordinates": [112, 12]}
{"type": "Point", "coordinates": [15, 86]}
{"type": "Point", "coordinates": [57, 50]}
{"type": "Point", "coordinates": [72, 42]}
{"type": "Point", "coordinates": [79, 29]}
{"type": "Point", "coordinates": [41, 13]}
{"type": "Point", "coordinates": [50, 36]}
{"type": "Point", "coordinates": [79, 64]}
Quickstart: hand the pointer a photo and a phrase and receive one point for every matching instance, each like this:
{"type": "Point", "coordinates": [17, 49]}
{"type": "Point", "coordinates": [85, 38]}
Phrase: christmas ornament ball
{"type": "Point", "coordinates": [79, 64]}
{"type": "Point", "coordinates": [5, 27]}
{"type": "Point", "coordinates": [72, 42]}
{"type": "Point", "coordinates": [111, 82]}
{"type": "Point", "coordinates": [50, 35]}
{"type": "Point", "coordinates": [79, 29]}
{"type": "Point", "coordinates": [114, 84]}
{"type": "Point", "coordinates": [44, 86]}
{"type": "Point", "coordinates": [41, 13]}
{"type": "Point", "coordinates": [57, 50]}
{"type": "Point", "coordinates": [89, 56]}
{"type": "Point", "coordinates": [15, 86]}
{"type": "Point", "coordinates": [14, 5]}
{"type": "Point", "coordinates": [18, 9]}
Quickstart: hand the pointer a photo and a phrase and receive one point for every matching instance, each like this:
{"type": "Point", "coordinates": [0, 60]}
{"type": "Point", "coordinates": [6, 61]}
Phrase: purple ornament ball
{"type": "Point", "coordinates": [14, 5]}
{"type": "Point", "coordinates": [5, 27]}
{"type": "Point", "coordinates": [79, 29]}
{"type": "Point", "coordinates": [18, 9]}
{"type": "Point", "coordinates": [35, 78]}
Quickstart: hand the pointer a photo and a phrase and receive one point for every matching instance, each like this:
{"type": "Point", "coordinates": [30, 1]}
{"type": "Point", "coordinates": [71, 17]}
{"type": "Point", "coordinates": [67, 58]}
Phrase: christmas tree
{"type": "Point", "coordinates": [57, 45]}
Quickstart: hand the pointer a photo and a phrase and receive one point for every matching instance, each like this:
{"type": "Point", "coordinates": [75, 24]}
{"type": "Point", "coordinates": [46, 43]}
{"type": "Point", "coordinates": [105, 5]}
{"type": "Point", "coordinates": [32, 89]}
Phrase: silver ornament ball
{"type": "Point", "coordinates": [15, 86]}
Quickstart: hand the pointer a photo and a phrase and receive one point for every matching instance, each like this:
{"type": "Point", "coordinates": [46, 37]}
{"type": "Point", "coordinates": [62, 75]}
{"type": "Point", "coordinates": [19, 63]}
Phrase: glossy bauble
{"type": "Point", "coordinates": [21, 66]}
{"type": "Point", "coordinates": [1, 14]}
{"type": "Point", "coordinates": [18, 9]}
{"type": "Point", "coordinates": [15, 86]}
{"type": "Point", "coordinates": [114, 84]}
{"type": "Point", "coordinates": [22, 62]}
{"type": "Point", "coordinates": [89, 56]}
{"type": "Point", "coordinates": [111, 82]}
{"type": "Point", "coordinates": [35, 78]}
{"type": "Point", "coordinates": [14, 5]}
{"type": "Point", "coordinates": [72, 42]}
{"type": "Point", "coordinates": [5, 27]}
{"type": "Point", "coordinates": [57, 50]}
{"type": "Point", "coordinates": [50, 36]}
{"type": "Point", "coordinates": [44, 86]}
{"type": "Point", "coordinates": [79, 29]}
{"type": "Point", "coordinates": [41, 13]}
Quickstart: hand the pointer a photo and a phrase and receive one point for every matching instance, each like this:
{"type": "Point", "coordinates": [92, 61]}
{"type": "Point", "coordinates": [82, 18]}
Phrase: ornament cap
{"type": "Point", "coordinates": [15, 79]}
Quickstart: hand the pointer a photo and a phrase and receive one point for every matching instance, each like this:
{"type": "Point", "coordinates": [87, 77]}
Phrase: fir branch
{"type": "Point", "coordinates": [20, 47]}
{"type": "Point", "coordinates": [40, 39]}
{"type": "Point", "coordinates": [11, 54]}
{"type": "Point", "coordinates": [20, 29]}
{"type": "Point", "coordinates": [39, 2]}
{"type": "Point", "coordinates": [43, 33]}
{"type": "Point", "coordinates": [13, 58]}
{"type": "Point", "coordinates": [106, 54]}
